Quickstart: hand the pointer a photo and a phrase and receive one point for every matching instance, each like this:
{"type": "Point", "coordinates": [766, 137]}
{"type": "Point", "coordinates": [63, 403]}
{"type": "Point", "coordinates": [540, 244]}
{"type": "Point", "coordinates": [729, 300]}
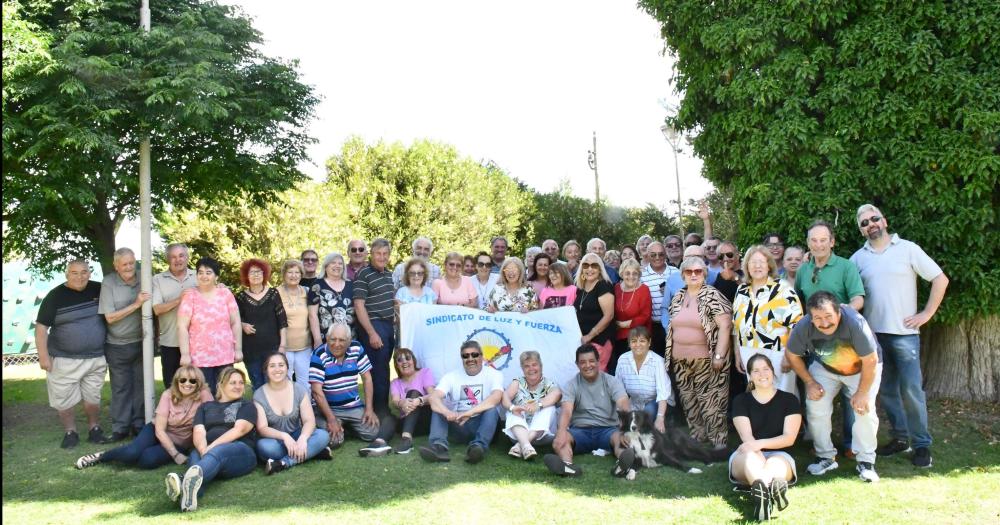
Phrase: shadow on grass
{"type": "Point", "coordinates": [36, 471]}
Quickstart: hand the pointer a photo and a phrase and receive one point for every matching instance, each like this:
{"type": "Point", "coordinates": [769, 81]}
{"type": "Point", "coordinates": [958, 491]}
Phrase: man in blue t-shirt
{"type": "Point", "coordinates": [846, 356]}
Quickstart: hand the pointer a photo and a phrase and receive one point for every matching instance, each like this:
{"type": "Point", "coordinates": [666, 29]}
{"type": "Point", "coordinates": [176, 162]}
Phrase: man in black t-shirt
{"type": "Point", "coordinates": [69, 335]}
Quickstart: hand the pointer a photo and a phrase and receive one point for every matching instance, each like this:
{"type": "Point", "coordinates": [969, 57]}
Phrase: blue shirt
{"type": "Point", "coordinates": [340, 381]}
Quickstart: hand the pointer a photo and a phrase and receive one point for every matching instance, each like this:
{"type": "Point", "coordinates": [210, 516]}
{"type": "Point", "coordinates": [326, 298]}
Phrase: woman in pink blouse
{"type": "Point", "coordinates": [208, 324]}
{"type": "Point", "coordinates": [455, 288]}
{"type": "Point", "coordinates": [561, 291]}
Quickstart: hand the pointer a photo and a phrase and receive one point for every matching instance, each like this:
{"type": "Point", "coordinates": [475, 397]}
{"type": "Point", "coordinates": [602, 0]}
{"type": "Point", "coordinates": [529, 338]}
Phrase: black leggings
{"type": "Point", "coordinates": [417, 421]}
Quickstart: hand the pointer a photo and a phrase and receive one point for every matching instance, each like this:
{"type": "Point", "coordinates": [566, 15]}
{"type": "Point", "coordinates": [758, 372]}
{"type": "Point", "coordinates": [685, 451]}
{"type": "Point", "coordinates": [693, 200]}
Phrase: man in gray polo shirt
{"type": "Point", "coordinates": [120, 305]}
{"type": "Point", "coordinates": [375, 311]}
{"type": "Point", "coordinates": [889, 268]}
{"type": "Point", "coordinates": [167, 289]}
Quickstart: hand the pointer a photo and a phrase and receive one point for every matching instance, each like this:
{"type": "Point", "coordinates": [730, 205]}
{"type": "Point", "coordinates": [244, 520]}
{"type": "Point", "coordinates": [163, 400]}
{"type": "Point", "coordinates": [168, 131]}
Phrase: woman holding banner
{"type": "Point", "coordinates": [595, 306]}
{"type": "Point", "coordinates": [512, 293]}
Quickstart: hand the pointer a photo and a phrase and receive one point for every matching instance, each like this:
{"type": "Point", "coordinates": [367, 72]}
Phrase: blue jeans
{"type": "Point", "coordinates": [902, 391]}
{"type": "Point", "coordinates": [229, 460]}
{"type": "Point", "coordinates": [380, 362]}
{"type": "Point", "coordinates": [255, 371]}
{"type": "Point", "coordinates": [269, 448]}
{"type": "Point", "coordinates": [145, 451]}
{"type": "Point", "coordinates": [476, 431]}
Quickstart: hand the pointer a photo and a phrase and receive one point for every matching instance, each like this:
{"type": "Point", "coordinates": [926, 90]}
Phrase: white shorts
{"type": "Point", "coordinates": [541, 422]}
{"type": "Point", "coordinates": [73, 380]}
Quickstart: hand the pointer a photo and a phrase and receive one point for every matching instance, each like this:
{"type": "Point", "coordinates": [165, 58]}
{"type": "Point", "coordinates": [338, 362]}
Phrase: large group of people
{"type": "Point", "coordinates": [667, 327]}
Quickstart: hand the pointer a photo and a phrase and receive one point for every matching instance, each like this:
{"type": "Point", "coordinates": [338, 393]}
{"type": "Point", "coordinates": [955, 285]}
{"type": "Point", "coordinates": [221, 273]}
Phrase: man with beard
{"type": "Point", "coordinates": [889, 267]}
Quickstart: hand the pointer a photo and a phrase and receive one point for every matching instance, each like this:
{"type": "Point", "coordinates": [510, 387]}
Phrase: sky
{"type": "Point", "coordinates": [524, 84]}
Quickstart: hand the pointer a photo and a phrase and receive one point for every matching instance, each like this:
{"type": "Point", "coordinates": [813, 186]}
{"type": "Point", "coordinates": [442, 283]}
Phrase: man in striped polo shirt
{"type": "Point", "coordinates": [374, 309]}
{"type": "Point", "coordinates": [333, 376]}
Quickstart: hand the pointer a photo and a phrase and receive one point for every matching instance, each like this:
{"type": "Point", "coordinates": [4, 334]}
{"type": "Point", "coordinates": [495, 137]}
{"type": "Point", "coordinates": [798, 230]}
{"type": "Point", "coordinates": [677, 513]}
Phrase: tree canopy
{"type": "Point", "coordinates": [806, 110]}
{"type": "Point", "coordinates": [83, 85]}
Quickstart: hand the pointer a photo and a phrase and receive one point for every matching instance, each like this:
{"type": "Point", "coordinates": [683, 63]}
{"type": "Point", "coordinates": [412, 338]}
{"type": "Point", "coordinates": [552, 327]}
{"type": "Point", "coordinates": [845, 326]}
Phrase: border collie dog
{"type": "Point", "coordinates": [646, 447]}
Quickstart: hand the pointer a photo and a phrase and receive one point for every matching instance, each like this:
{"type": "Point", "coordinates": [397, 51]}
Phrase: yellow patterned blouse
{"type": "Point", "coordinates": [765, 319]}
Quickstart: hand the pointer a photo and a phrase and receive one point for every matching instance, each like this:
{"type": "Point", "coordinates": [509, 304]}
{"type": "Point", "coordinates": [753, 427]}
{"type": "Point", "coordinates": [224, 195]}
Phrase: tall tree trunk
{"type": "Point", "coordinates": [962, 361]}
{"type": "Point", "coordinates": [102, 235]}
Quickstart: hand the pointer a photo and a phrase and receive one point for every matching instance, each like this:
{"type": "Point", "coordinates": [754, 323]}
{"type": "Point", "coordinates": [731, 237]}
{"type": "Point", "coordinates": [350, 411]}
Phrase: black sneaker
{"type": "Point", "coordinates": [474, 454]}
{"type": "Point", "coordinates": [70, 439]}
{"type": "Point", "coordinates": [115, 437]}
{"type": "Point", "coordinates": [326, 454]}
{"type": "Point", "coordinates": [761, 495]}
{"type": "Point", "coordinates": [922, 457]}
{"type": "Point", "coordinates": [96, 435]}
{"type": "Point", "coordinates": [625, 462]}
{"type": "Point", "coordinates": [779, 493]}
{"type": "Point", "coordinates": [376, 448]}
{"type": "Point", "coordinates": [274, 467]}
{"type": "Point", "coordinates": [435, 454]}
{"type": "Point", "coordinates": [405, 446]}
{"type": "Point", "coordinates": [866, 471]}
{"type": "Point", "coordinates": [557, 466]}
{"type": "Point", "coordinates": [893, 447]}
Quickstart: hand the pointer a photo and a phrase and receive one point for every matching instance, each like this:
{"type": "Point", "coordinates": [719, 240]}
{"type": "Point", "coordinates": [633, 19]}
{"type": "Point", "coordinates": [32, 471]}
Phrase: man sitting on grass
{"type": "Point", "coordinates": [589, 419]}
{"type": "Point", "coordinates": [474, 392]}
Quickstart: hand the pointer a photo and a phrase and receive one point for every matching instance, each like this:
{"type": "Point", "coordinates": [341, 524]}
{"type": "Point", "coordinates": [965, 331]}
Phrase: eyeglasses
{"type": "Point", "coordinates": [403, 357]}
{"type": "Point", "coordinates": [712, 247]}
{"type": "Point", "coordinates": [482, 264]}
{"type": "Point", "coordinates": [474, 355]}
{"type": "Point", "coordinates": [358, 250]}
{"type": "Point", "coordinates": [590, 266]}
{"type": "Point", "coordinates": [454, 265]}
{"type": "Point", "coordinates": [255, 272]}
{"type": "Point", "coordinates": [693, 271]}
{"type": "Point", "coordinates": [416, 274]}
{"type": "Point", "coordinates": [874, 218]}
{"type": "Point", "coordinates": [673, 245]}
{"type": "Point", "coordinates": [727, 255]}
{"type": "Point", "coordinates": [310, 260]}
{"type": "Point", "coordinates": [654, 255]}
{"type": "Point", "coordinates": [775, 245]}
{"type": "Point", "coordinates": [186, 380]}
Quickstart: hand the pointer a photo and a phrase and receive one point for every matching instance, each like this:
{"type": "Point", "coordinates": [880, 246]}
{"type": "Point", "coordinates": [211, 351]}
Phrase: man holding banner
{"type": "Point", "coordinates": [474, 393]}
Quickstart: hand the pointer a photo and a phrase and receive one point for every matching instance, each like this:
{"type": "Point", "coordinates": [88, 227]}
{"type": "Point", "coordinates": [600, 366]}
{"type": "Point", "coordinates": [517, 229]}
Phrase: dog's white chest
{"type": "Point", "coordinates": [642, 444]}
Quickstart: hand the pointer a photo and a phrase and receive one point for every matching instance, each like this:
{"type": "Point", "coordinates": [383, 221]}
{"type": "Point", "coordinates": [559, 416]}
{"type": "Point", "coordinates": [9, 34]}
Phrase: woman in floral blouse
{"type": "Point", "coordinates": [512, 293]}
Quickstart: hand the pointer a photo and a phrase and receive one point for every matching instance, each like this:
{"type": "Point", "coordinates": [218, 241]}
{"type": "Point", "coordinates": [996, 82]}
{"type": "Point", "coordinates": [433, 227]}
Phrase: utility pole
{"type": "Point", "coordinates": [592, 161]}
{"type": "Point", "coordinates": [146, 276]}
{"type": "Point", "coordinates": [674, 137]}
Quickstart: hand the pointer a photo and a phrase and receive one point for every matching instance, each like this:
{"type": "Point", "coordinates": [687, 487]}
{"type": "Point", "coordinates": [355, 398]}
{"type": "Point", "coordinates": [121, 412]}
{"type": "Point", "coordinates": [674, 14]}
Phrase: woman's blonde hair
{"type": "Point", "coordinates": [224, 378]}
{"type": "Point", "coordinates": [190, 372]}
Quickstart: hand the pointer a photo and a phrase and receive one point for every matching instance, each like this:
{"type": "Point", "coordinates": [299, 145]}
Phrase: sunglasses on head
{"type": "Point", "coordinates": [473, 355]}
{"type": "Point", "coordinates": [186, 380]}
{"type": "Point", "coordinates": [874, 218]}
{"type": "Point", "coordinates": [358, 250]}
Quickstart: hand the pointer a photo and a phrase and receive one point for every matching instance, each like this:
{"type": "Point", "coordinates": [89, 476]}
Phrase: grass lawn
{"type": "Point", "coordinates": [40, 484]}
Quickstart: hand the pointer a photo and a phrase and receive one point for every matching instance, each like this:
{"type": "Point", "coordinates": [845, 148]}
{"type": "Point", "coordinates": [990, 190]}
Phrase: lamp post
{"type": "Point", "coordinates": [592, 162]}
{"type": "Point", "coordinates": [674, 138]}
{"type": "Point", "coordinates": [146, 278]}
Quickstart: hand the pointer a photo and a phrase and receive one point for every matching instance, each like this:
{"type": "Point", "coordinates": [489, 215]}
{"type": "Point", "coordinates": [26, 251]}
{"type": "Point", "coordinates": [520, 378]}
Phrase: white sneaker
{"type": "Point", "coordinates": [189, 489]}
{"type": "Point", "coordinates": [822, 466]}
{"type": "Point", "coordinates": [515, 451]}
{"type": "Point", "coordinates": [173, 483]}
{"type": "Point", "coordinates": [866, 471]}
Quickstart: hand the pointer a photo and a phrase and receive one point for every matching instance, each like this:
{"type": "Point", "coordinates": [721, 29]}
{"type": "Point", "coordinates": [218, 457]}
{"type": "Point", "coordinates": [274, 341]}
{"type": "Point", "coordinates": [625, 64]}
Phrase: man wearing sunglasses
{"type": "Point", "coordinates": [357, 256]}
{"type": "Point", "coordinates": [655, 277]}
{"type": "Point", "coordinates": [889, 267]}
{"type": "Point", "coordinates": [675, 250]}
{"type": "Point", "coordinates": [469, 414]}
{"type": "Point", "coordinates": [422, 249]}
{"type": "Point", "coordinates": [310, 261]}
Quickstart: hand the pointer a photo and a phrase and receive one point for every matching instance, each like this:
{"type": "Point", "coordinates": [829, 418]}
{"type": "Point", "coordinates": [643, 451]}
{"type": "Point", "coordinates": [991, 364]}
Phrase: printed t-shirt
{"type": "Point", "coordinates": [219, 418]}
{"type": "Point", "coordinates": [841, 352]}
{"type": "Point", "coordinates": [465, 391]}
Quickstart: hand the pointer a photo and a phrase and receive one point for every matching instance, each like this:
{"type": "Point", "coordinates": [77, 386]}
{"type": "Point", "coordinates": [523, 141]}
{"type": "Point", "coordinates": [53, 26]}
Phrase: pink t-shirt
{"type": "Point", "coordinates": [465, 293]}
{"type": "Point", "coordinates": [422, 382]}
{"type": "Point", "coordinates": [180, 417]}
{"type": "Point", "coordinates": [690, 341]}
{"type": "Point", "coordinates": [210, 340]}
{"type": "Point", "coordinates": [552, 298]}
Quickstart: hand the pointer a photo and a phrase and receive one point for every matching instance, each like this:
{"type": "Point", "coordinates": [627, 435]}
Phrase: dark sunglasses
{"type": "Point", "coordinates": [358, 250]}
{"type": "Point", "coordinates": [454, 265]}
{"type": "Point", "coordinates": [474, 355]}
{"type": "Point", "coordinates": [185, 380]}
{"type": "Point", "coordinates": [874, 218]}
{"type": "Point", "coordinates": [590, 266]}
{"type": "Point", "coordinates": [774, 245]}
{"type": "Point", "coordinates": [654, 255]}
{"type": "Point", "coordinates": [727, 255]}
{"type": "Point", "coordinates": [815, 276]}
{"type": "Point", "coordinates": [309, 260]}
{"type": "Point", "coordinates": [673, 245]}
{"type": "Point", "coordinates": [403, 357]}
{"type": "Point", "coordinates": [482, 264]}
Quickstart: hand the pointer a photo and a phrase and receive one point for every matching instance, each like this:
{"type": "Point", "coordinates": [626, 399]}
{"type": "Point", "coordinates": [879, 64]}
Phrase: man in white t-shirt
{"type": "Point", "coordinates": [469, 413]}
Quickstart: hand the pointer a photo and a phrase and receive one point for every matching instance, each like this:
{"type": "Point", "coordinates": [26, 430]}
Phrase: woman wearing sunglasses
{"type": "Point", "coordinates": [697, 352]}
{"type": "Point", "coordinates": [512, 293]}
{"type": "Point", "coordinates": [453, 287]}
{"type": "Point", "coordinates": [410, 406]}
{"type": "Point", "coordinates": [484, 280]}
{"type": "Point", "coordinates": [168, 438]}
{"type": "Point", "coordinates": [595, 307]}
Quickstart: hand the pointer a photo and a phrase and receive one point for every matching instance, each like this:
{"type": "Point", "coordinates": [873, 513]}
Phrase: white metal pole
{"type": "Point", "coordinates": [148, 389]}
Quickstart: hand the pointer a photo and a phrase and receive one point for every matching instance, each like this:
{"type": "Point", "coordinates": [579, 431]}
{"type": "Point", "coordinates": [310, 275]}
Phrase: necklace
{"type": "Point", "coordinates": [583, 298]}
{"type": "Point", "coordinates": [621, 299]}
{"type": "Point", "coordinates": [293, 298]}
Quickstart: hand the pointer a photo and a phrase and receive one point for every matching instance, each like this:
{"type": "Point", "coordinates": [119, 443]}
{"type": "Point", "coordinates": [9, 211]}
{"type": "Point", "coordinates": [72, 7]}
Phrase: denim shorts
{"type": "Point", "coordinates": [767, 454]}
{"type": "Point", "coordinates": [587, 439]}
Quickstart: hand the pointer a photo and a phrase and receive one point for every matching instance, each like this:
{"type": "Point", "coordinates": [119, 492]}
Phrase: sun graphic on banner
{"type": "Point", "coordinates": [496, 347]}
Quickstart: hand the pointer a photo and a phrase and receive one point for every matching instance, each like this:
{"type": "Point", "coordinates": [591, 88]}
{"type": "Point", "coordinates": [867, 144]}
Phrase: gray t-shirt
{"type": "Point", "coordinates": [594, 403]}
{"type": "Point", "coordinates": [288, 423]}
{"type": "Point", "coordinates": [115, 295]}
{"type": "Point", "coordinates": [166, 288]}
{"type": "Point", "coordinates": [841, 352]}
{"type": "Point", "coordinates": [890, 281]}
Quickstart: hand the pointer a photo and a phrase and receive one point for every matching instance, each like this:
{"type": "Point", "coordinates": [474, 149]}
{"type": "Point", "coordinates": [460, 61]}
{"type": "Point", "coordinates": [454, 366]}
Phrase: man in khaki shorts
{"type": "Point", "coordinates": [69, 335]}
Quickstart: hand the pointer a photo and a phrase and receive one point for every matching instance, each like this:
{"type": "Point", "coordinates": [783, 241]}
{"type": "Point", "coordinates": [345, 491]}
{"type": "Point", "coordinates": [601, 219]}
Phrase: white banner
{"type": "Point", "coordinates": [435, 333]}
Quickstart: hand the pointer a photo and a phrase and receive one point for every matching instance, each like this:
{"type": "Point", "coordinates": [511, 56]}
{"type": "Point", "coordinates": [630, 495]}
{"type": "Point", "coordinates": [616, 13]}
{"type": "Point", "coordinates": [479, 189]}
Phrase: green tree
{"type": "Point", "coordinates": [806, 110]}
{"type": "Point", "coordinates": [83, 84]}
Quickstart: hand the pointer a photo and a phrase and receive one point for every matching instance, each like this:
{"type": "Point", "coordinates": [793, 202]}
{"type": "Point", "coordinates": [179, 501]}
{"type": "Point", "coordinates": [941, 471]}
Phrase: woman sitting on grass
{"type": "Point", "coordinates": [224, 441]}
{"type": "Point", "coordinates": [285, 420]}
{"type": "Point", "coordinates": [168, 437]}
{"type": "Point", "coordinates": [768, 421]}
{"type": "Point", "coordinates": [530, 401]}
{"type": "Point", "coordinates": [409, 391]}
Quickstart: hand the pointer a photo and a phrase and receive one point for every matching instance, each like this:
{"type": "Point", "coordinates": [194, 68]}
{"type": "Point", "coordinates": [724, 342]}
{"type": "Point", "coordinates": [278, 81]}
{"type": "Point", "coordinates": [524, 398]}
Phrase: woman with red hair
{"type": "Point", "coordinates": [263, 318]}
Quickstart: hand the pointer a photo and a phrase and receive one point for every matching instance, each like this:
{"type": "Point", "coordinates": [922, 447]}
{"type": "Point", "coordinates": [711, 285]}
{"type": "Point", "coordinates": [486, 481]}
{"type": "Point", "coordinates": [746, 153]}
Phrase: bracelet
{"type": "Point", "coordinates": [658, 416]}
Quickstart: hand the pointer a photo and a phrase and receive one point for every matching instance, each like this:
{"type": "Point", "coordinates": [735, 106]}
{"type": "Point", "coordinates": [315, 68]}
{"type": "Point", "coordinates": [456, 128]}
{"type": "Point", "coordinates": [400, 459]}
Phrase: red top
{"type": "Point", "coordinates": [636, 305]}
